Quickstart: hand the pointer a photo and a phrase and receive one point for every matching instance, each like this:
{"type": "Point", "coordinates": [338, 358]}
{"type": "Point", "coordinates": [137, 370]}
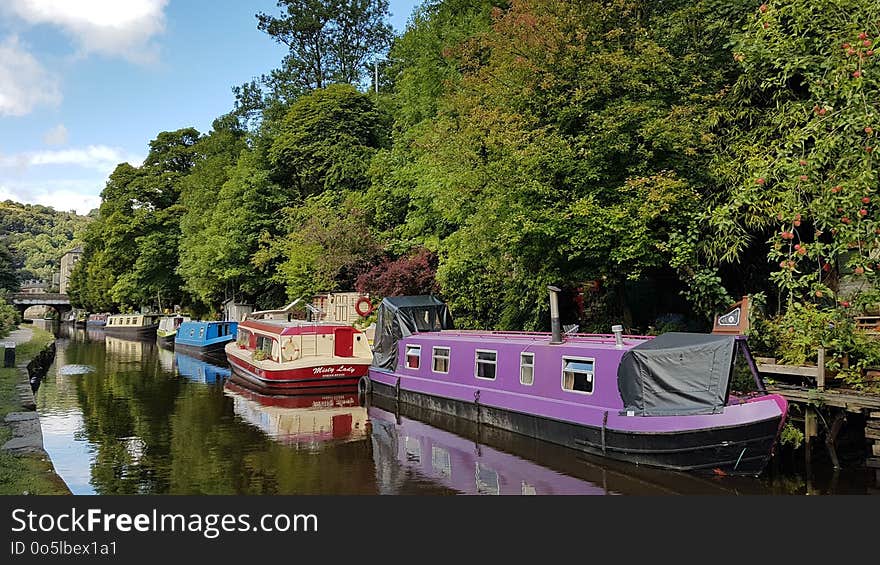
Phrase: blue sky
{"type": "Point", "coordinates": [86, 84]}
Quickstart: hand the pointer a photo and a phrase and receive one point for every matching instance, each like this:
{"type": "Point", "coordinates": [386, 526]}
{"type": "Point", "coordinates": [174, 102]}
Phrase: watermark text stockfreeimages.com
{"type": "Point", "coordinates": [211, 526]}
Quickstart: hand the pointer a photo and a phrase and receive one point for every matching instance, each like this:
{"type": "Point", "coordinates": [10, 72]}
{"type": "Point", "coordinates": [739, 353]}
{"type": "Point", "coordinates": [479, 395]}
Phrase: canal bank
{"type": "Point", "coordinates": [25, 467]}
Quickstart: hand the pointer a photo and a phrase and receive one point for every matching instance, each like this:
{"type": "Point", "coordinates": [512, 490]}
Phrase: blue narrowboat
{"type": "Point", "coordinates": [205, 337]}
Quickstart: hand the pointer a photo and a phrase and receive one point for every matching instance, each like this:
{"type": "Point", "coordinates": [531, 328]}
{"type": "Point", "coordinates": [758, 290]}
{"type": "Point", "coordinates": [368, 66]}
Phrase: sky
{"type": "Point", "coordinates": [86, 84]}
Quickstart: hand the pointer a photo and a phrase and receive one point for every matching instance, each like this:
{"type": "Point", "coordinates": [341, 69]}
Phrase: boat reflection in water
{"type": "Point", "coordinates": [79, 335]}
{"type": "Point", "coordinates": [460, 464]}
{"type": "Point", "coordinates": [165, 355]}
{"type": "Point", "coordinates": [200, 370]}
{"type": "Point", "coordinates": [94, 333]}
{"type": "Point", "coordinates": [129, 350]}
{"type": "Point", "coordinates": [472, 459]}
{"type": "Point", "coordinates": [304, 421]}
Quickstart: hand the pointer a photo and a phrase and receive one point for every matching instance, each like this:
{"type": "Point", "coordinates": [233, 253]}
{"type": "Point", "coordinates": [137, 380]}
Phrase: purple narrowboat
{"type": "Point", "coordinates": [661, 401]}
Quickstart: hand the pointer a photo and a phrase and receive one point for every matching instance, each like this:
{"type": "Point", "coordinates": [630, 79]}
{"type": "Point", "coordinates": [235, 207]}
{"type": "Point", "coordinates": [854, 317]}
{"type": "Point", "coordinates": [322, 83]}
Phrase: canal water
{"type": "Point", "coordinates": [130, 417]}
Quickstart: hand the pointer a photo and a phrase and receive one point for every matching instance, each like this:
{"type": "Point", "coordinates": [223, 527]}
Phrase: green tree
{"type": "Point", "coordinates": [248, 212]}
{"type": "Point", "coordinates": [328, 41]}
{"type": "Point", "coordinates": [217, 154]}
{"type": "Point", "coordinates": [8, 276]}
{"type": "Point", "coordinates": [422, 65]}
{"type": "Point", "coordinates": [326, 141]}
{"type": "Point", "coordinates": [798, 158]}
{"type": "Point", "coordinates": [130, 254]}
{"type": "Point", "coordinates": [572, 141]}
{"type": "Point", "coordinates": [328, 244]}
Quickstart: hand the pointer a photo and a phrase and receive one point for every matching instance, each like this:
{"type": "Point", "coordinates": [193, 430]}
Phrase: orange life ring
{"type": "Point", "coordinates": [358, 306]}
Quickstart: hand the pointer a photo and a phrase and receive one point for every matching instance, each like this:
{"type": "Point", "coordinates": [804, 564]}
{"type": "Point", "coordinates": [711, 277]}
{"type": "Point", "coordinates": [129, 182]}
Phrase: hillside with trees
{"type": "Point", "coordinates": [36, 237]}
{"type": "Point", "coordinates": [32, 240]}
{"type": "Point", "coordinates": [656, 160]}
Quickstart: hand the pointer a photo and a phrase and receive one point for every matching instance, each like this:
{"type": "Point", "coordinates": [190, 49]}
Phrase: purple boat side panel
{"type": "Point", "coordinates": [454, 462]}
{"type": "Point", "coordinates": [546, 397]}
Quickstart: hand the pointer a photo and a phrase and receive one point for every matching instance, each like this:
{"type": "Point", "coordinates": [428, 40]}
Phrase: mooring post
{"type": "Point", "coordinates": [831, 437]}
{"type": "Point", "coordinates": [8, 354]}
{"type": "Point", "coordinates": [810, 431]}
{"type": "Point", "coordinates": [820, 369]}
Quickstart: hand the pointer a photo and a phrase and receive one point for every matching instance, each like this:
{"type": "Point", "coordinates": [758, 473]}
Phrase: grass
{"type": "Point", "coordinates": [26, 473]}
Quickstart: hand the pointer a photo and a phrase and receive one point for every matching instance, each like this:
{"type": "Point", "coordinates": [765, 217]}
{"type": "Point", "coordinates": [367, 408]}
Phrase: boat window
{"type": "Point", "coordinates": [577, 375]}
{"type": "Point", "coordinates": [413, 449]}
{"type": "Point", "coordinates": [441, 360]}
{"type": "Point", "coordinates": [487, 480]}
{"type": "Point", "coordinates": [441, 462]}
{"type": "Point", "coordinates": [485, 364]}
{"type": "Point", "coordinates": [202, 331]}
{"type": "Point", "coordinates": [265, 347]}
{"type": "Point", "coordinates": [527, 368]}
{"type": "Point", "coordinates": [290, 351]}
{"type": "Point", "coordinates": [244, 338]}
{"type": "Point", "coordinates": [413, 356]}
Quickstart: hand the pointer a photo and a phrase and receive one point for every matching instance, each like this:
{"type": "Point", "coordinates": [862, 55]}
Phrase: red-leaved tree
{"type": "Point", "coordinates": [413, 274]}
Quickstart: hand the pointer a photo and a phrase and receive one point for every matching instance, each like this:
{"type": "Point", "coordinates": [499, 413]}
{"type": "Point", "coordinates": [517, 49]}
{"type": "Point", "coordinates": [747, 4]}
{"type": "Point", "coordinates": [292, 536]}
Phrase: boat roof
{"type": "Point", "coordinates": [600, 341]}
{"type": "Point", "coordinates": [133, 314]}
{"type": "Point", "coordinates": [293, 327]}
{"type": "Point", "coordinates": [209, 322]}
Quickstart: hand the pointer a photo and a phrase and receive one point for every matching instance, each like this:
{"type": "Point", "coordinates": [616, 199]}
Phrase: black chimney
{"type": "Point", "coordinates": [555, 326]}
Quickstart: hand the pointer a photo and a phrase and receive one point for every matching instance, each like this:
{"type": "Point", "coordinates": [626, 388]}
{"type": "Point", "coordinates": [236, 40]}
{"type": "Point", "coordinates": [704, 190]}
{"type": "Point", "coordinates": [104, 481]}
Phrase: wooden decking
{"type": "Point", "coordinates": [850, 401]}
{"type": "Point", "coordinates": [837, 404]}
{"type": "Point", "coordinates": [834, 403]}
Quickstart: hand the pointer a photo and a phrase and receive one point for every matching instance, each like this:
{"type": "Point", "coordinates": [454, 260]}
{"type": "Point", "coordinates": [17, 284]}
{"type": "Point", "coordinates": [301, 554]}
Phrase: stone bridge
{"type": "Point", "coordinates": [22, 301]}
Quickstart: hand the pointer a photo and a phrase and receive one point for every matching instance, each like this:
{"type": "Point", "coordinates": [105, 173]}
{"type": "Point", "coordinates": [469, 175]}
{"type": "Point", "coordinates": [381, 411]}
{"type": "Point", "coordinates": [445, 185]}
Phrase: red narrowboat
{"type": "Point", "coordinates": [278, 356]}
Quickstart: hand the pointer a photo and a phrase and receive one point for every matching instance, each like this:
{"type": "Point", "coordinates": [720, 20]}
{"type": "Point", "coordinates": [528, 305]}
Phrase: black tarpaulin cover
{"type": "Point", "coordinates": [677, 374]}
{"type": "Point", "coordinates": [400, 316]}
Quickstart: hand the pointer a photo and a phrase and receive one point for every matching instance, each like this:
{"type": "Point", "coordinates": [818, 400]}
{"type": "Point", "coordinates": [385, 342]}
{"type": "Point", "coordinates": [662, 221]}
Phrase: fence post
{"type": "Point", "coordinates": [9, 354]}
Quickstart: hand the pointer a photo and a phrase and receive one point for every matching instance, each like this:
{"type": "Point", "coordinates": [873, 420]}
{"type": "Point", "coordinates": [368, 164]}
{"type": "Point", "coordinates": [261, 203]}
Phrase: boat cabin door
{"type": "Point", "coordinates": [343, 340]}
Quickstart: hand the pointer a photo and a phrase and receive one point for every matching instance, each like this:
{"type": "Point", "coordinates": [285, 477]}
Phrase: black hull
{"type": "Point", "coordinates": [140, 331]}
{"type": "Point", "coordinates": [213, 350]}
{"type": "Point", "coordinates": [740, 450]}
{"type": "Point", "coordinates": [213, 355]}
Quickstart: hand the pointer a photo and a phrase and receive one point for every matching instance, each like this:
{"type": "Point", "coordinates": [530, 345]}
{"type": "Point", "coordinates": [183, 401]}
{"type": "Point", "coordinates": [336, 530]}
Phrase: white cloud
{"type": "Point", "coordinates": [98, 157]}
{"type": "Point", "coordinates": [111, 27]}
{"type": "Point", "coordinates": [24, 83]}
{"type": "Point", "coordinates": [63, 195]}
{"type": "Point", "coordinates": [56, 135]}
